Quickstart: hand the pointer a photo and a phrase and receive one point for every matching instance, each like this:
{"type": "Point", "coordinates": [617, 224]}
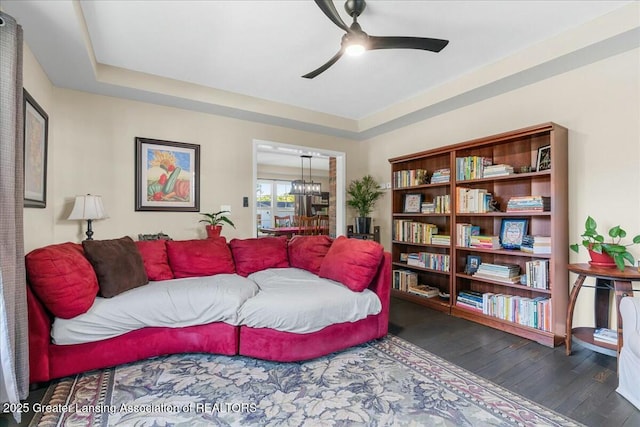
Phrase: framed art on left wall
{"type": "Point", "coordinates": [167, 176]}
{"type": "Point", "coordinates": [36, 133]}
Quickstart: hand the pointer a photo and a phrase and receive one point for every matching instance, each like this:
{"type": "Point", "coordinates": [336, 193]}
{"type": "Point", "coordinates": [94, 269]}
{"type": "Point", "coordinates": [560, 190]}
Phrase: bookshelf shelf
{"type": "Point", "coordinates": [518, 149]}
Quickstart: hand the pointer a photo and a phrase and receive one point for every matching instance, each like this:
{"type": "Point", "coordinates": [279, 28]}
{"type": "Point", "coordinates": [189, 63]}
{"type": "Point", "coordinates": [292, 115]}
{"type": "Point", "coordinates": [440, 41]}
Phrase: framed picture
{"type": "Point", "coordinates": [36, 133]}
{"type": "Point", "coordinates": [512, 231]}
{"type": "Point", "coordinates": [167, 176]}
{"type": "Point", "coordinates": [473, 262]}
{"type": "Point", "coordinates": [412, 203]}
{"type": "Point", "coordinates": [544, 158]}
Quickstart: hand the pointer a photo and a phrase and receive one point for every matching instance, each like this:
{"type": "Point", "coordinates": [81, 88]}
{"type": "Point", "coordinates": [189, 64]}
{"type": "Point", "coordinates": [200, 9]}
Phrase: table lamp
{"type": "Point", "coordinates": [88, 207]}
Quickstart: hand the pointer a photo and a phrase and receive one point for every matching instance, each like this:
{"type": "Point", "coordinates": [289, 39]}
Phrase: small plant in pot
{"type": "Point", "coordinates": [363, 193]}
{"type": "Point", "coordinates": [215, 221]}
{"type": "Point", "coordinates": [606, 254]}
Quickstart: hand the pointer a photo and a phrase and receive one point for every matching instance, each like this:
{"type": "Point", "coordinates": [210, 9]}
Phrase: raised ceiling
{"type": "Point", "coordinates": [244, 59]}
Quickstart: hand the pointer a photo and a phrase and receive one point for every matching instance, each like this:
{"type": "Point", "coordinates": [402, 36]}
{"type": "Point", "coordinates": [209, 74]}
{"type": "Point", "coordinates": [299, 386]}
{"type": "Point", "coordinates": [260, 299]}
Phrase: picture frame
{"type": "Point", "coordinates": [512, 231]}
{"type": "Point", "coordinates": [167, 176]}
{"type": "Point", "coordinates": [543, 161]}
{"type": "Point", "coordinates": [473, 262]}
{"type": "Point", "coordinates": [412, 203]}
{"type": "Point", "coordinates": [36, 139]}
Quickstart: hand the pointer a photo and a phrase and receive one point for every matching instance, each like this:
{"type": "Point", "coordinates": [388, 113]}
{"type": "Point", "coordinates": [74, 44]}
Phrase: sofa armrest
{"type": "Point", "coordinates": [630, 313]}
{"type": "Point", "coordinates": [381, 285]}
{"type": "Point", "coordinates": [39, 338]}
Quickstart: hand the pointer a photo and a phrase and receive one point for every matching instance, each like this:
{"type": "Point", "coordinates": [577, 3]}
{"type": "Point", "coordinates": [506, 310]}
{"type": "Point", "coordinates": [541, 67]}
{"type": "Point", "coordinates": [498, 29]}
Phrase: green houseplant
{"type": "Point", "coordinates": [215, 221]}
{"type": "Point", "coordinates": [614, 249]}
{"type": "Point", "coordinates": [363, 193]}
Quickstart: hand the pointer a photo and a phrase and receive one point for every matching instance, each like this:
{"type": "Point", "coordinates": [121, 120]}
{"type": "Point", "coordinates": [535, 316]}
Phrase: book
{"type": "Point", "coordinates": [424, 290]}
{"type": "Point", "coordinates": [605, 335]}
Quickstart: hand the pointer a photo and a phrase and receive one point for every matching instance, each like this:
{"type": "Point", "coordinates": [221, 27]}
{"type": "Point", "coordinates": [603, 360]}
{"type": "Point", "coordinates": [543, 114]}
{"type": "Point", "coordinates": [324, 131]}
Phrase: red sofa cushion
{"type": "Point", "coordinates": [62, 278]}
{"type": "Point", "coordinates": [193, 258]}
{"type": "Point", "coordinates": [117, 263]}
{"type": "Point", "coordinates": [352, 262]}
{"type": "Point", "coordinates": [307, 252]}
{"type": "Point", "coordinates": [154, 257]}
{"type": "Point", "coordinates": [251, 255]}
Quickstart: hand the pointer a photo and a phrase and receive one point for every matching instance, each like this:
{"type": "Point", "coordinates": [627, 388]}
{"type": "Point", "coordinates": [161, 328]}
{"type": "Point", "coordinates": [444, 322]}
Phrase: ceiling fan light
{"type": "Point", "coordinates": [355, 49]}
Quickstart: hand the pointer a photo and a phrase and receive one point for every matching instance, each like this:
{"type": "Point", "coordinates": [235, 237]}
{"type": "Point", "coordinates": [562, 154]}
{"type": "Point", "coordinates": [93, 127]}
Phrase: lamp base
{"type": "Point", "coordinates": [89, 232]}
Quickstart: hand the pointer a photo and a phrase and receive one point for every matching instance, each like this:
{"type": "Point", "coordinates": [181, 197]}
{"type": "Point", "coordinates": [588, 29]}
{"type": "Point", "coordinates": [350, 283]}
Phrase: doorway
{"type": "Point", "coordinates": [275, 165]}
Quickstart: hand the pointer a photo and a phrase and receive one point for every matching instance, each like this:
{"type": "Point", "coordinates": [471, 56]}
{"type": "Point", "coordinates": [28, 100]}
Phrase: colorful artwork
{"type": "Point", "coordinates": [167, 175]}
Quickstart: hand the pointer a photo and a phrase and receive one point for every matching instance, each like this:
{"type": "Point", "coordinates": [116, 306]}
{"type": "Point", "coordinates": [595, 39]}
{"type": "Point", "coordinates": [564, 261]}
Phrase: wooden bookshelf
{"type": "Point", "coordinates": [518, 149]}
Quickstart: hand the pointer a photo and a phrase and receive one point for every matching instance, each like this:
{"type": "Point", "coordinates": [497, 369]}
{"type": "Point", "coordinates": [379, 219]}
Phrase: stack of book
{"type": "Point", "coordinates": [471, 300]}
{"type": "Point", "coordinates": [441, 175]}
{"type": "Point", "coordinates": [536, 244]}
{"type": "Point", "coordinates": [506, 273]}
{"type": "Point", "coordinates": [404, 279]}
{"type": "Point", "coordinates": [529, 204]}
{"type": "Point", "coordinates": [497, 170]}
{"type": "Point", "coordinates": [441, 239]}
{"type": "Point", "coordinates": [409, 178]}
{"type": "Point", "coordinates": [605, 335]}
{"type": "Point", "coordinates": [464, 232]}
{"type": "Point", "coordinates": [413, 231]}
{"type": "Point", "coordinates": [424, 291]}
{"type": "Point", "coordinates": [532, 312]}
{"type": "Point", "coordinates": [484, 242]}
{"type": "Point", "coordinates": [537, 274]}
{"type": "Point", "coordinates": [440, 204]}
{"type": "Point", "coordinates": [471, 167]}
{"type": "Point", "coordinates": [473, 200]}
{"type": "Point", "coordinates": [433, 261]}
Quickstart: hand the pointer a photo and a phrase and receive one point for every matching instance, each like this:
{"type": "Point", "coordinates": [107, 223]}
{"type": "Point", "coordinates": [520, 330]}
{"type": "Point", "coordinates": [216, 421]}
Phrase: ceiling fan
{"type": "Point", "coordinates": [356, 41]}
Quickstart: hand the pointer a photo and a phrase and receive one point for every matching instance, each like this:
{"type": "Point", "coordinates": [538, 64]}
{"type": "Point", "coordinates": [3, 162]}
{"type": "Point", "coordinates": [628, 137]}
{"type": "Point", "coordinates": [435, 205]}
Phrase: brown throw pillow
{"type": "Point", "coordinates": [117, 263]}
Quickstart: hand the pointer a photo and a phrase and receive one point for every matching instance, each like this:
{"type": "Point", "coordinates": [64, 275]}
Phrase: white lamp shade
{"type": "Point", "coordinates": [88, 207]}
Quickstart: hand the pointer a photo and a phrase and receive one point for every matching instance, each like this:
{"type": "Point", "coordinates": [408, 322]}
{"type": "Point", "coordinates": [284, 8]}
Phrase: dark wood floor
{"type": "Point", "coordinates": [581, 386]}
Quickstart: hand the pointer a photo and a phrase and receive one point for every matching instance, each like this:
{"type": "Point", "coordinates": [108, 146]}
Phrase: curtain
{"type": "Point", "coordinates": [14, 363]}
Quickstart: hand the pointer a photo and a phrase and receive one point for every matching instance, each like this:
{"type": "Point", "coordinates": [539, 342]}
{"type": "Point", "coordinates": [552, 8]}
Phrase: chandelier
{"type": "Point", "coordinates": [300, 187]}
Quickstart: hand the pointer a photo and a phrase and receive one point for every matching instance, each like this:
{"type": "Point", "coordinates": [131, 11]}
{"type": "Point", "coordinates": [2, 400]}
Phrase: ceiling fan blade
{"type": "Point", "coordinates": [433, 45]}
{"type": "Point", "coordinates": [329, 9]}
{"type": "Point", "coordinates": [324, 68]}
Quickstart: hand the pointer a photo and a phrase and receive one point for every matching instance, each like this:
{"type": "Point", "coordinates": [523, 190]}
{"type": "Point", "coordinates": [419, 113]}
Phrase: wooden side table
{"type": "Point", "coordinates": [607, 279]}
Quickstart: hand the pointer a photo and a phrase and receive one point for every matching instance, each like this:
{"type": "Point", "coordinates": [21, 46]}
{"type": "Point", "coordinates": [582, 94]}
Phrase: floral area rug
{"type": "Point", "coordinates": [389, 382]}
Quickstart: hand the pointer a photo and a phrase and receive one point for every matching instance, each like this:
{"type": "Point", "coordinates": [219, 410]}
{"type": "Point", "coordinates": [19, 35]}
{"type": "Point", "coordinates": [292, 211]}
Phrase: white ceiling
{"type": "Point", "coordinates": [246, 57]}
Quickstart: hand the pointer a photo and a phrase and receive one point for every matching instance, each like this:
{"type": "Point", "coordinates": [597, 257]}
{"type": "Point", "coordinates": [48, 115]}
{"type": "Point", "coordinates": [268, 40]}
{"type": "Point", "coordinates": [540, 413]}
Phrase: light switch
{"type": "Point", "coordinates": [225, 208]}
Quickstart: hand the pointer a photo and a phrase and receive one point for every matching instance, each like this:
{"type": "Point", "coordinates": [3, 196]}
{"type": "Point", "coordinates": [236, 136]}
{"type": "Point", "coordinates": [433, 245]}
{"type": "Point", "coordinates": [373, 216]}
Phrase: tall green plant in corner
{"type": "Point", "coordinates": [594, 242]}
{"type": "Point", "coordinates": [363, 193]}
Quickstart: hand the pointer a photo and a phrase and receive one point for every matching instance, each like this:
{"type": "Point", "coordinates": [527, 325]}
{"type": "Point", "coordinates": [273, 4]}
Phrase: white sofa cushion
{"type": "Point", "coordinates": [629, 362]}
{"type": "Point", "coordinates": [169, 303]}
{"type": "Point", "coordinates": [295, 300]}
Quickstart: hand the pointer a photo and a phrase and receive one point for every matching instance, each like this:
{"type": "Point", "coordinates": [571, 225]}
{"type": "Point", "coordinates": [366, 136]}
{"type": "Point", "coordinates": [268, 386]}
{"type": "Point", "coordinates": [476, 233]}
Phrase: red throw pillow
{"type": "Point", "coordinates": [194, 258]}
{"type": "Point", "coordinates": [307, 252]}
{"type": "Point", "coordinates": [352, 262]}
{"type": "Point", "coordinates": [62, 278]}
{"type": "Point", "coordinates": [251, 255]}
{"type": "Point", "coordinates": [154, 257]}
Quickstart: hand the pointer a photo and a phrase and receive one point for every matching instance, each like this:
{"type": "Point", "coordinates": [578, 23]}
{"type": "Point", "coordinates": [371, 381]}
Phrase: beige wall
{"type": "Point", "coordinates": [598, 103]}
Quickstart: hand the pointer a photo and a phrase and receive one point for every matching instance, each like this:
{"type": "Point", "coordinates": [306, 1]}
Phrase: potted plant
{"type": "Point", "coordinates": [363, 195]}
{"type": "Point", "coordinates": [606, 254]}
{"type": "Point", "coordinates": [215, 221]}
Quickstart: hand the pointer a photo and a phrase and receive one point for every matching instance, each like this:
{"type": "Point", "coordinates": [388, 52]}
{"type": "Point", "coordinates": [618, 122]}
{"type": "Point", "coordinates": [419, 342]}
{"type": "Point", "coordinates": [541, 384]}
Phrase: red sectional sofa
{"type": "Point", "coordinates": [68, 281]}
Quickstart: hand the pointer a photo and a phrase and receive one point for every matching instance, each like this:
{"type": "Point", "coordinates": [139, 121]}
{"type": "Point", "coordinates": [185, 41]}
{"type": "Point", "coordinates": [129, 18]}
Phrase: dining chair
{"type": "Point", "coordinates": [322, 224]}
{"type": "Point", "coordinates": [308, 225]}
{"type": "Point", "coordinates": [282, 221]}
